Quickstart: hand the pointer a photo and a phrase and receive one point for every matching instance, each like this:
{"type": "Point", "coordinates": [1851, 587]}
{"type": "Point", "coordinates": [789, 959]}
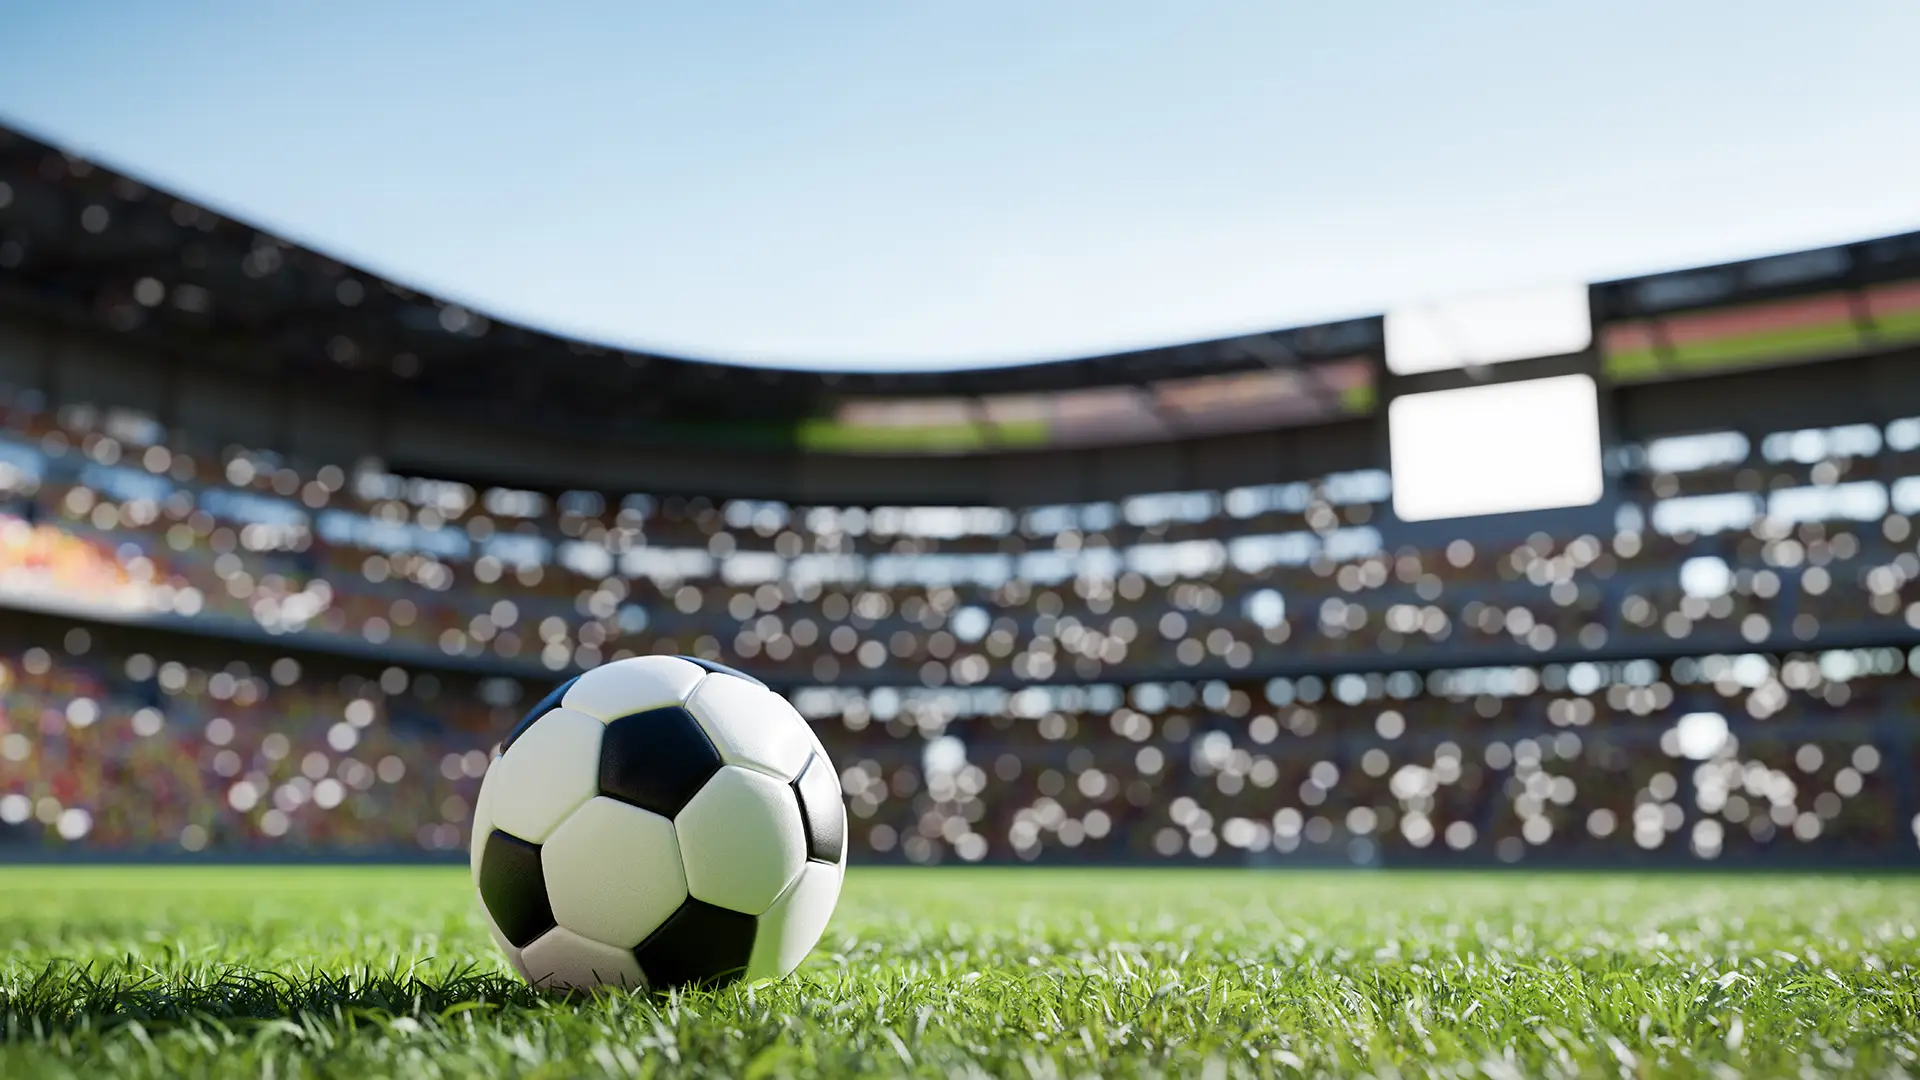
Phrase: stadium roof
{"type": "Point", "coordinates": [89, 245]}
{"type": "Point", "coordinates": [94, 244]}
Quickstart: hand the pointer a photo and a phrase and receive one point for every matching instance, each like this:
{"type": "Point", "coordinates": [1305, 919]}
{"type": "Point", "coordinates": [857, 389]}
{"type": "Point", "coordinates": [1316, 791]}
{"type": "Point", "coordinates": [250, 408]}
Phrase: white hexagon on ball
{"type": "Point", "coordinates": [613, 872]}
{"type": "Point", "coordinates": [751, 726]}
{"type": "Point", "coordinates": [741, 840]}
{"type": "Point", "coordinates": [633, 685]}
{"type": "Point", "coordinates": [561, 959]}
{"type": "Point", "coordinates": [790, 929]}
{"type": "Point", "coordinates": [552, 768]}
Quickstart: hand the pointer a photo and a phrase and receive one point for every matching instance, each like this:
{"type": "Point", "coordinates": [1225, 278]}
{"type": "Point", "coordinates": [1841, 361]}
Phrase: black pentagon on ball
{"type": "Point", "coordinates": [821, 810]}
{"type": "Point", "coordinates": [723, 669]}
{"type": "Point", "coordinates": [547, 704]}
{"type": "Point", "coordinates": [698, 945]}
{"type": "Point", "coordinates": [656, 759]}
{"type": "Point", "coordinates": [514, 889]}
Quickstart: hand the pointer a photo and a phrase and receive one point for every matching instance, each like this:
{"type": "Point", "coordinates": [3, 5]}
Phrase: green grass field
{"type": "Point", "coordinates": [379, 972]}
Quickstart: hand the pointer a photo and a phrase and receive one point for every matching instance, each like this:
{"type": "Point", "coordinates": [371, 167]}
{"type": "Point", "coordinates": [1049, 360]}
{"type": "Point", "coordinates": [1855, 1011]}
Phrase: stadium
{"type": "Point", "coordinates": [280, 534]}
{"type": "Point", "coordinates": [287, 548]}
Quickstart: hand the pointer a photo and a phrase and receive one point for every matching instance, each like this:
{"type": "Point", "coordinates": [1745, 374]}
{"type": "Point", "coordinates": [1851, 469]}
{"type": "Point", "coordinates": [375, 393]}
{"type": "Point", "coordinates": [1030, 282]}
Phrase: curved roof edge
{"type": "Point", "coordinates": [86, 244]}
{"type": "Point", "coordinates": [214, 273]}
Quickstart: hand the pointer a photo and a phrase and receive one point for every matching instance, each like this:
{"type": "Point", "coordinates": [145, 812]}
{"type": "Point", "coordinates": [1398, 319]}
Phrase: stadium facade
{"type": "Point", "coordinates": [284, 546]}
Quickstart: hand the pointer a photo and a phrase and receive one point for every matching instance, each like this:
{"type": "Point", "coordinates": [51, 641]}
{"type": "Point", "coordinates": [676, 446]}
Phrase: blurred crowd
{"type": "Point", "coordinates": [1719, 757]}
{"type": "Point", "coordinates": [141, 753]}
{"type": "Point", "coordinates": [1154, 678]}
{"type": "Point", "coordinates": [1804, 758]}
{"type": "Point", "coordinates": [1720, 544]}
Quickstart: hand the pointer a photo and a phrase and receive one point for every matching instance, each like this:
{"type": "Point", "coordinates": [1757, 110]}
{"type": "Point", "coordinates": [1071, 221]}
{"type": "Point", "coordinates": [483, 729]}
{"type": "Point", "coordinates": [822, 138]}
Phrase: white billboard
{"type": "Point", "coordinates": [1488, 329]}
{"type": "Point", "coordinates": [1501, 448]}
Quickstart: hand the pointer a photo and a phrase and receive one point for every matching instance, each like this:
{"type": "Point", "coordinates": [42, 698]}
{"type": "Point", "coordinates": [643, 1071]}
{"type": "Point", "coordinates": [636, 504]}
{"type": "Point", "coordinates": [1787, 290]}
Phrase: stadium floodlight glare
{"type": "Point", "coordinates": [1489, 329]}
{"type": "Point", "coordinates": [1706, 576]}
{"type": "Point", "coordinates": [1700, 735]}
{"type": "Point", "coordinates": [1503, 448]}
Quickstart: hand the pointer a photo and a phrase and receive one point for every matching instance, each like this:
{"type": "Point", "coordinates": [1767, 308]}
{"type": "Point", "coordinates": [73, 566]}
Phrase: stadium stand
{"type": "Point", "coordinates": [266, 593]}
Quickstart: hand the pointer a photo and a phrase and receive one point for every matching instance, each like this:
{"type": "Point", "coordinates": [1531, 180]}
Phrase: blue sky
{"type": "Point", "coordinates": [906, 185]}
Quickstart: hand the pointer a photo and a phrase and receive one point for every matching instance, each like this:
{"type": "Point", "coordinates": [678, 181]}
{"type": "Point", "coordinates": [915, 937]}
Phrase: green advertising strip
{"type": "Point", "coordinates": [1359, 400]}
{"type": "Point", "coordinates": [832, 436]}
{"type": "Point", "coordinates": [1897, 327]}
{"type": "Point", "coordinates": [1631, 365]}
{"type": "Point", "coordinates": [1811, 342]}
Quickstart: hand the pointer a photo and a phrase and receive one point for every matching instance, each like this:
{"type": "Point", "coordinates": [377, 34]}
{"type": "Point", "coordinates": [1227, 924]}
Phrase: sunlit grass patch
{"type": "Point", "coordinates": [382, 972]}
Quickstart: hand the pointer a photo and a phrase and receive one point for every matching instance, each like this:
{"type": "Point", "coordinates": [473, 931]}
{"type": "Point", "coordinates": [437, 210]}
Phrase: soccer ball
{"type": "Point", "coordinates": [659, 822]}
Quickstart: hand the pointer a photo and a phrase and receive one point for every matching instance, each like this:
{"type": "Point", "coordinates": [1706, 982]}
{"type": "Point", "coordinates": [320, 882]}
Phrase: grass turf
{"type": "Point", "coordinates": [381, 972]}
